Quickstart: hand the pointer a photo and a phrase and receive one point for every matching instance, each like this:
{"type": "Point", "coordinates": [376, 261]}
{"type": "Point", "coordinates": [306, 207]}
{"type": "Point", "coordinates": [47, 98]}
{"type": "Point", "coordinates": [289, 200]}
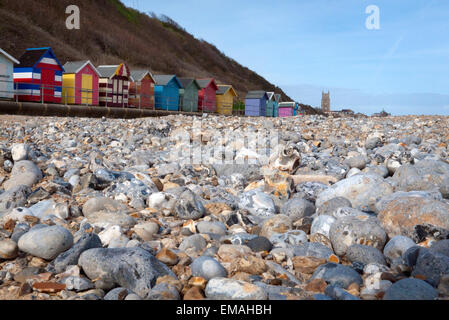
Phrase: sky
{"type": "Point", "coordinates": [306, 47]}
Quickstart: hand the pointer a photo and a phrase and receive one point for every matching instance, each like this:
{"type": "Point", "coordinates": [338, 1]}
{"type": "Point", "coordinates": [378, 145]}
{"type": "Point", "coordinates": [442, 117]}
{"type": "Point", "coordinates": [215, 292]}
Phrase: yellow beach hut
{"type": "Point", "coordinates": [225, 99]}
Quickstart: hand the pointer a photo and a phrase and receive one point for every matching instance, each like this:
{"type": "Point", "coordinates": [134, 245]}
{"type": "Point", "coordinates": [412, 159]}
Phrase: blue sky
{"type": "Point", "coordinates": [308, 46]}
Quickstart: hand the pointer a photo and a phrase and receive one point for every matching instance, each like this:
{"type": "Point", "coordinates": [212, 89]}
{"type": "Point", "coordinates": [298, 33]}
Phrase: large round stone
{"type": "Point", "coordinates": [298, 208]}
{"type": "Point", "coordinates": [365, 254]}
{"type": "Point", "coordinates": [196, 241]}
{"type": "Point", "coordinates": [411, 289]}
{"type": "Point", "coordinates": [337, 274]}
{"type": "Point", "coordinates": [350, 230]}
{"type": "Point", "coordinates": [207, 268]}
{"type": "Point", "coordinates": [331, 206]}
{"type": "Point", "coordinates": [46, 242]}
{"type": "Point", "coordinates": [132, 268]}
{"type": "Point", "coordinates": [188, 206]}
{"type": "Point", "coordinates": [424, 175]}
{"type": "Point", "coordinates": [215, 227]}
{"type": "Point", "coordinates": [24, 172]}
{"type": "Point", "coordinates": [397, 246]}
{"type": "Point", "coordinates": [400, 216]}
{"type": "Point", "coordinates": [259, 244]}
{"type": "Point", "coordinates": [363, 190]}
{"type": "Point", "coordinates": [94, 205]}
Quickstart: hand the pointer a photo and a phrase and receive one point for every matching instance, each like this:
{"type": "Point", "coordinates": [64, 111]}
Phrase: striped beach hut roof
{"type": "Point", "coordinates": [8, 56]}
{"type": "Point", "coordinates": [77, 66]}
{"type": "Point", "coordinates": [138, 75]}
{"type": "Point", "coordinates": [256, 94]}
{"type": "Point", "coordinates": [186, 82]}
{"type": "Point", "coordinates": [34, 56]}
{"type": "Point", "coordinates": [115, 70]}
{"type": "Point", "coordinates": [223, 88]}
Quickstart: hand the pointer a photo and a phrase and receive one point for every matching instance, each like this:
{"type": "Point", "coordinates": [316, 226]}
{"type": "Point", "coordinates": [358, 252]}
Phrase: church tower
{"type": "Point", "coordinates": [326, 102]}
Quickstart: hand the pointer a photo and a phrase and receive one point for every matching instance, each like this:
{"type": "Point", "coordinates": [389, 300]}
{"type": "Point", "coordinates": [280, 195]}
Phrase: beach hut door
{"type": "Point", "coordinates": [86, 95]}
{"type": "Point", "coordinates": [48, 77]}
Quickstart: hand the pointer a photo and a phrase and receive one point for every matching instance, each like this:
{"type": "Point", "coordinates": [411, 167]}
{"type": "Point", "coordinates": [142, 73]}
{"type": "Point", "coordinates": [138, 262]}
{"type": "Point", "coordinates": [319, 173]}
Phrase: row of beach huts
{"type": "Point", "coordinates": [38, 76]}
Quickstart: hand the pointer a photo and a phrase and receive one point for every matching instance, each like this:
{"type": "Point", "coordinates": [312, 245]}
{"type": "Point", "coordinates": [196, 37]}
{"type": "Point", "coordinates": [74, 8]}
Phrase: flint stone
{"type": "Point", "coordinates": [380, 170]}
{"type": "Point", "coordinates": [14, 197]}
{"type": "Point", "coordinates": [46, 242]}
{"type": "Point", "coordinates": [188, 206]}
{"type": "Point", "coordinates": [46, 208]}
{"type": "Point", "coordinates": [337, 274]}
{"type": "Point", "coordinates": [8, 249]}
{"type": "Point", "coordinates": [312, 249]}
{"type": "Point", "coordinates": [424, 175]}
{"type": "Point", "coordinates": [77, 283]}
{"type": "Point", "coordinates": [365, 254]}
{"type": "Point", "coordinates": [430, 194]}
{"type": "Point", "coordinates": [362, 190]}
{"type": "Point", "coordinates": [358, 162]}
{"type": "Point", "coordinates": [350, 230]}
{"type": "Point", "coordinates": [277, 224]}
{"type": "Point", "coordinates": [259, 244]}
{"type": "Point", "coordinates": [19, 230]}
{"type": "Point", "coordinates": [71, 256]}
{"type": "Point", "coordinates": [131, 268]}
{"type": "Point", "coordinates": [207, 268]}
{"type": "Point", "coordinates": [293, 237]}
{"type": "Point", "coordinates": [297, 208]}
{"type": "Point", "coordinates": [117, 294]}
{"type": "Point", "coordinates": [23, 173]}
{"type": "Point", "coordinates": [162, 291]}
{"type": "Point", "coordinates": [400, 216]}
{"type": "Point", "coordinates": [146, 230]}
{"type": "Point", "coordinates": [397, 246]}
{"type": "Point", "coordinates": [211, 227]}
{"type": "Point", "coordinates": [338, 293]}
{"type": "Point", "coordinates": [411, 289]}
{"type": "Point", "coordinates": [102, 204]}
{"type": "Point", "coordinates": [104, 219]}
{"type": "Point", "coordinates": [411, 140]}
{"type": "Point", "coordinates": [250, 172]}
{"type": "Point", "coordinates": [322, 224]}
{"type": "Point", "coordinates": [331, 206]}
{"type": "Point", "coordinates": [372, 142]}
{"type": "Point", "coordinates": [353, 172]}
{"type": "Point", "coordinates": [229, 289]}
{"type": "Point", "coordinates": [19, 151]}
{"type": "Point", "coordinates": [257, 203]}
{"type": "Point", "coordinates": [431, 265]}
{"type": "Point", "coordinates": [310, 190]}
{"type": "Point", "coordinates": [441, 247]}
{"type": "Point", "coordinates": [277, 292]}
{"type": "Point", "coordinates": [195, 241]}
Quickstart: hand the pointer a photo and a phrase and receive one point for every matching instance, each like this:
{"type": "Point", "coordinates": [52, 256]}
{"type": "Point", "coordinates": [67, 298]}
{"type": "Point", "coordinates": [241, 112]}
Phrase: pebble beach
{"type": "Point", "coordinates": [233, 208]}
